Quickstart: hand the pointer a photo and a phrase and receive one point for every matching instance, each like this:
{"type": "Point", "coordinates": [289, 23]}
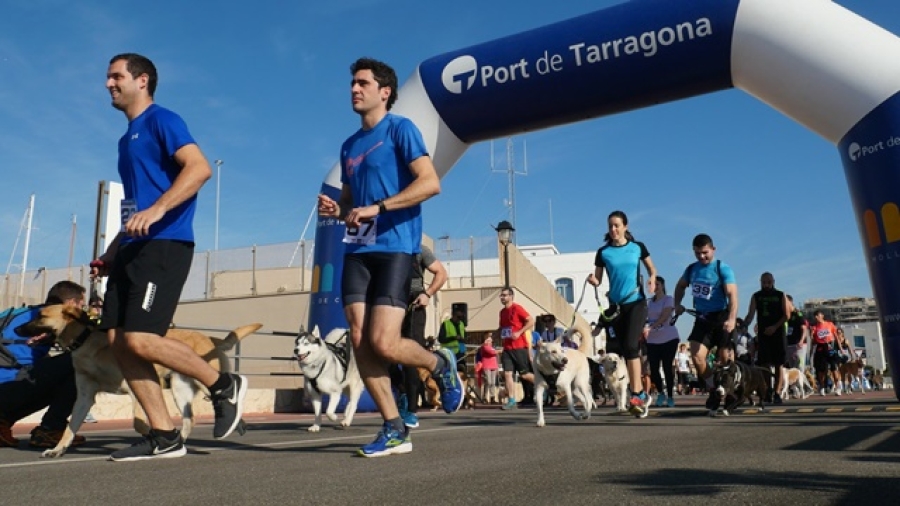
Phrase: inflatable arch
{"type": "Point", "coordinates": [818, 63]}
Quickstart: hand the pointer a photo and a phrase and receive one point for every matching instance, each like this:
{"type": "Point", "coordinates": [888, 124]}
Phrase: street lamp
{"type": "Point", "coordinates": [218, 188]}
{"type": "Point", "coordinates": [504, 234]}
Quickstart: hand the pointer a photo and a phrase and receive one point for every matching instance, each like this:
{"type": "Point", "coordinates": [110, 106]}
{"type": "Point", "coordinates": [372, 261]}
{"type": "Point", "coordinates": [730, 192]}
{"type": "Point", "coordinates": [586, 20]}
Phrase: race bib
{"type": "Point", "coordinates": [364, 234]}
{"type": "Point", "coordinates": [506, 333]}
{"type": "Point", "coordinates": [127, 208]}
{"type": "Point", "coordinates": [701, 291]}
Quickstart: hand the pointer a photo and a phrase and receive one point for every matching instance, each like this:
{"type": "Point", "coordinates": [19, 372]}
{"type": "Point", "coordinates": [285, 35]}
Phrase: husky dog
{"type": "Point", "coordinates": [329, 368]}
{"type": "Point", "coordinates": [616, 375]}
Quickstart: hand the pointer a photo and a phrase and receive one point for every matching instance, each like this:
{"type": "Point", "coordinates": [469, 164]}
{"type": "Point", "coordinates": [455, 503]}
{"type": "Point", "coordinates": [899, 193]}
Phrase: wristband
{"type": "Point", "coordinates": [381, 208]}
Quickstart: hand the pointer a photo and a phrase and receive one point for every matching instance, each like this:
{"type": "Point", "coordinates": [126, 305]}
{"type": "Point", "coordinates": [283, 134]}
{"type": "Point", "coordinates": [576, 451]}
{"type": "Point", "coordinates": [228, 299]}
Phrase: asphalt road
{"type": "Point", "coordinates": [819, 451]}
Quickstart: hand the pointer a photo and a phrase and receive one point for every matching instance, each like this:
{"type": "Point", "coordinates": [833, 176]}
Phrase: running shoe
{"type": "Point", "coordinates": [639, 405]}
{"type": "Point", "coordinates": [46, 438]}
{"type": "Point", "coordinates": [510, 405]}
{"type": "Point", "coordinates": [670, 402]}
{"type": "Point", "coordinates": [410, 419]}
{"type": "Point", "coordinates": [6, 436]}
{"type": "Point", "coordinates": [153, 446]}
{"type": "Point", "coordinates": [451, 389]}
{"type": "Point", "coordinates": [389, 441]}
{"type": "Point", "coordinates": [228, 405]}
{"type": "Point", "coordinates": [660, 400]}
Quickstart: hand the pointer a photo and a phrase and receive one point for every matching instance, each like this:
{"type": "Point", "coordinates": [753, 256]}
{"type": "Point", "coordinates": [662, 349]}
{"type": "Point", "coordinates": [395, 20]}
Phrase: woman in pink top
{"type": "Point", "coordinates": [488, 360]}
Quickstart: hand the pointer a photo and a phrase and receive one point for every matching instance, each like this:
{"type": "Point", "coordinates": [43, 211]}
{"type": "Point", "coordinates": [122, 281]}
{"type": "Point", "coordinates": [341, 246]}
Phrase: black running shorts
{"type": "Point", "coordinates": [145, 284]}
{"type": "Point", "coordinates": [377, 279]}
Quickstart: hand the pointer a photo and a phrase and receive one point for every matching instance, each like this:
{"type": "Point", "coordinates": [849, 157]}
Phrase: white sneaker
{"type": "Point", "coordinates": [837, 392]}
{"type": "Point", "coordinates": [822, 392]}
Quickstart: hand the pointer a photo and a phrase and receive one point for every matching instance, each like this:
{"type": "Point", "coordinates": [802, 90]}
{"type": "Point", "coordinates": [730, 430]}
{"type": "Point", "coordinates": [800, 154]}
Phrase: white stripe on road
{"type": "Point", "coordinates": [299, 442]}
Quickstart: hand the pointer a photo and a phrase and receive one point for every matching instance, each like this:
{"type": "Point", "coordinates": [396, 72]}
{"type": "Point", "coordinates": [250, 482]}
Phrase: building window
{"type": "Point", "coordinates": [859, 341]}
{"type": "Point", "coordinates": [566, 288]}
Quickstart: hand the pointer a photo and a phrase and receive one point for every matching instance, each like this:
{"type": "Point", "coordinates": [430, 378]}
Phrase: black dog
{"type": "Point", "coordinates": [735, 382]}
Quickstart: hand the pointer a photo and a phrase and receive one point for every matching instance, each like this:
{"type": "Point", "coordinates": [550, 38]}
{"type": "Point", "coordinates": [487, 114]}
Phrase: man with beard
{"type": "Point", "coordinates": [770, 341]}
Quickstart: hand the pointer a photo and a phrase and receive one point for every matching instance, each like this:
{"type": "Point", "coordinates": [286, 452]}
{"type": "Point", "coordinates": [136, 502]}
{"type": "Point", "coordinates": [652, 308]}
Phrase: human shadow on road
{"type": "Point", "coordinates": [690, 483]}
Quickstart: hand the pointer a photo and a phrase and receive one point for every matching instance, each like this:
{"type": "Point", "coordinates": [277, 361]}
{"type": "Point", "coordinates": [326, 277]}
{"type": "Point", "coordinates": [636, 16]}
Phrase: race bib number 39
{"type": "Point", "coordinates": [364, 234]}
{"type": "Point", "coordinates": [701, 291]}
{"type": "Point", "coordinates": [127, 208]}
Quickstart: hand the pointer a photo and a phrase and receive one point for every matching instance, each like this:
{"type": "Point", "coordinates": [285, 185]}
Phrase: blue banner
{"type": "Point", "coordinates": [625, 57]}
{"type": "Point", "coordinates": [325, 307]}
{"type": "Point", "coordinates": [870, 153]}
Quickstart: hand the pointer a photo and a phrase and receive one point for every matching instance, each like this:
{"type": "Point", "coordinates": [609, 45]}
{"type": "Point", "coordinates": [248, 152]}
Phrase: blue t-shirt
{"type": "Point", "coordinates": [25, 355]}
{"type": "Point", "coordinates": [707, 286]}
{"type": "Point", "coordinates": [623, 267]}
{"type": "Point", "coordinates": [375, 165]}
{"type": "Point", "coordinates": [147, 167]}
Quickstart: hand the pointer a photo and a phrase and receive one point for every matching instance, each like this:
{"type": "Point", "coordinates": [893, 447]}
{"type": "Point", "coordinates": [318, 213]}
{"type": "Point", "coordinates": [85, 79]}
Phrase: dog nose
{"type": "Point", "coordinates": [565, 360]}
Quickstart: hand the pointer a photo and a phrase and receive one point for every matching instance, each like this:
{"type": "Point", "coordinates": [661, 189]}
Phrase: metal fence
{"type": "Point", "coordinates": [32, 286]}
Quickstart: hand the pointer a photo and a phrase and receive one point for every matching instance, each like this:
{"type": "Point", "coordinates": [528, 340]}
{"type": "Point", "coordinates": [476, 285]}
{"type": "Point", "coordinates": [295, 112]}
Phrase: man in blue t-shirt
{"type": "Point", "coordinates": [386, 173]}
{"type": "Point", "coordinates": [162, 170]}
{"type": "Point", "coordinates": [715, 294]}
{"type": "Point", "coordinates": [38, 380]}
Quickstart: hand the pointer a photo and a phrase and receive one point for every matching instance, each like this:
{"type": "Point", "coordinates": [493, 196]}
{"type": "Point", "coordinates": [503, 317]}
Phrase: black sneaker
{"type": "Point", "coordinates": [153, 446]}
{"type": "Point", "coordinates": [228, 405]}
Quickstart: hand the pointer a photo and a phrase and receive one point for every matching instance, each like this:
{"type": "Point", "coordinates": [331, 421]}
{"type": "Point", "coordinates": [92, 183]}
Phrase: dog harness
{"type": "Point", "coordinates": [341, 352]}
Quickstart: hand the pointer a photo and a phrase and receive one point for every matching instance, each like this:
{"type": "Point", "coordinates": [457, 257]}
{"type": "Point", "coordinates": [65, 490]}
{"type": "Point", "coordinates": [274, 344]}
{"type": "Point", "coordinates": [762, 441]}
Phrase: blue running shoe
{"type": "Point", "coordinates": [451, 389]}
{"type": "Point", "coordinates": [411, 420]}
{"type": "Point", "coordinates": [389, 441]}
{"type": "Point", "coordinates": [670, 402]}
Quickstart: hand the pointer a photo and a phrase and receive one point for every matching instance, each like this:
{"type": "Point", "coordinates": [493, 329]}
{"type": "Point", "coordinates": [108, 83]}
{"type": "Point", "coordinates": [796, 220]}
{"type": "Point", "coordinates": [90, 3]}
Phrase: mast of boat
{"type": "Point", "coordinates": [72, 246]}
{"type": "Point", "coordinates": [20, 296]}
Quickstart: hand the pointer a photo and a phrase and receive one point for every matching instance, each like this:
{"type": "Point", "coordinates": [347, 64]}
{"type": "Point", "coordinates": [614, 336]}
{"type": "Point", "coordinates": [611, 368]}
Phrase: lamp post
{"type": "Point", "coordinates": [218, 189]}
{"type": "Point", "coordinates": [504, 235]}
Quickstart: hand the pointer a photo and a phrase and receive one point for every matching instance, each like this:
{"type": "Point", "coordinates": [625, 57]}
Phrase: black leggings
{"type": "Point", "coordinates": [662, 354]}
{"type": "Point", "coordinates": [628, 328]}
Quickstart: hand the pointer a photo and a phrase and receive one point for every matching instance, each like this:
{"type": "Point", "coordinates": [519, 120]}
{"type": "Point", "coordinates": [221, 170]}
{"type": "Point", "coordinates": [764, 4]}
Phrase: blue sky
{"type": "Point", "coordinates": [265, 88]}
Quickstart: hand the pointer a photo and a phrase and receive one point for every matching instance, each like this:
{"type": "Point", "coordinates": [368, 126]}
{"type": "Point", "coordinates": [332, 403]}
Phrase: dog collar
{"type": "Point", "coordinates": [80, 340]}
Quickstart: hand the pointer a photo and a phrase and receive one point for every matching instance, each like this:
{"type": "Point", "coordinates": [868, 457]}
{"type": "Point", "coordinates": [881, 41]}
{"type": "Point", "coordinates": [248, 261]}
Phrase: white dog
{"type": "Point", "coordinates": [329, 368]}
{"type": "Point", "coordinates": [794, 379]}
{"type": "Point", "coordinates": [570, 370]}
{"type": "Point", "coordinates": [616, 375]}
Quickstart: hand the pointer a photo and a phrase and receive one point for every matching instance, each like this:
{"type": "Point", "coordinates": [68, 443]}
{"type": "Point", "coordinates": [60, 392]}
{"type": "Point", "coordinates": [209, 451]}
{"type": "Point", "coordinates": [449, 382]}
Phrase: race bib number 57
{"type": "Point", "coordinates": [363, 234]}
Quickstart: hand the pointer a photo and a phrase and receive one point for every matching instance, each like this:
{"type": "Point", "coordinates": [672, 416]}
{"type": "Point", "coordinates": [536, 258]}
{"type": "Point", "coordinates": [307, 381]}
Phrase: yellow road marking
{"type": "Point", "coordinates": [805, 410]}
{"type": "Point", "coordinates": [864, 409]}
{"type": "Point", "coordinates": [892, 408]}
{"type": "Point", "coordinates": [778, 411]}
{"type": "Point", "coordinates": [834, 410]}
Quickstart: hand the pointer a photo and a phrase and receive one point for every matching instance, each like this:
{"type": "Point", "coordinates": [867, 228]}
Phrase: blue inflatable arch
{"type": "Point", "coordinates": [818, 63]}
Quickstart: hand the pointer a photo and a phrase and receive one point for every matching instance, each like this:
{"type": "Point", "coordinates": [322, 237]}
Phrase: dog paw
{"type": "Point", "coordinates": [541, 423]}
{"type": "Point", "coordinates": [313, 428]}
{"type": "Point", "coordinates": [345, 423]}
{"type": "Point", "coordinates": [53, 453]}
{"type": "Point", "coordinates": [725, 412]}
{"type": "Point", "coordinates": [331, 416]}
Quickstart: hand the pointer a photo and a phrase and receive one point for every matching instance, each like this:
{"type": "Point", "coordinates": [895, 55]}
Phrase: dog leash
{"type": "Point", "coordinates": [581, 298]}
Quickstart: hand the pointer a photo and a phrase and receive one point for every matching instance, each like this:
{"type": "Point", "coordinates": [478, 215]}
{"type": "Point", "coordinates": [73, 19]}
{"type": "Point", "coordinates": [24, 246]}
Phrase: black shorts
{"type": "Point", "coordinates": [145, 284]}
{"type": "Point", "coordinates": [771, 350]}
{"type": "Point", "coordinates": [825, 361]}
{"type": "Point", "coordinates": [628, 328]}
{"type": "Point", "coordinates": [377, 279]}
{"type": "Point", "coordinates": [414, 325]}
{"type": "Point", "coordinates": [516, 361]}
{"type": "Point", "coordinates": [709, 332]}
